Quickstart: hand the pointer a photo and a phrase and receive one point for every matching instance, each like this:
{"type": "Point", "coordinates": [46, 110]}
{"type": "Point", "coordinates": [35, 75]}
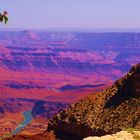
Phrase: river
{"type": "Point", "coordinates": [27, 119]}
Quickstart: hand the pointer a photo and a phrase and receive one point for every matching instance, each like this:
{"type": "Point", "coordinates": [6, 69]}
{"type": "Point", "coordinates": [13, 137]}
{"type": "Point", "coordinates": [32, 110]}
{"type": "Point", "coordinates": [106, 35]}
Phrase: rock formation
{"type": "Point", "coordinates": [108, 112]}
{"type": "Point", "coordinates": [122, 135]}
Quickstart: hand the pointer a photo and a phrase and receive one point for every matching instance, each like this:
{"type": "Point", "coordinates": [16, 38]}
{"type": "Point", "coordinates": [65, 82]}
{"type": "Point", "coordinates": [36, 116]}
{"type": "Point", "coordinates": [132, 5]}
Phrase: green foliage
{"type": "Point", "coordinates": [3, 17]}
{"type": "Point", "coordinates": [132, 131]}
{"type": "Point", "coordinates": [129, 130]}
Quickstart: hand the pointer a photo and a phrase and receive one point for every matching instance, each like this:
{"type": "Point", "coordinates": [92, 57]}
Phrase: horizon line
{"type": "Point", "coordinates": [74, 29]}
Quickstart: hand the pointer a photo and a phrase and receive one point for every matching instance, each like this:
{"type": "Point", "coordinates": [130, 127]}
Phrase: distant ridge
{"type": "Point", "coordinates": [99, 30]}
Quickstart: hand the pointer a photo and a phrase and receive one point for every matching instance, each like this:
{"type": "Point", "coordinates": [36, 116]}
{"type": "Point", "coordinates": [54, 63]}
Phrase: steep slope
{"type": "Point", "coordinates": [107, 112]}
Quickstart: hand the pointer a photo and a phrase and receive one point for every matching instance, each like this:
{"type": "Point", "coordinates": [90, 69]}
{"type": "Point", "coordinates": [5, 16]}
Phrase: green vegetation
{"type": "Point", "coordinates": [129, 130]}
{"type": "Point", "coordinates": [5, 136]}
{"type": "Point", "coordinates": [133, 132]}
{"type": "Point", "coordinates": [3, 17]}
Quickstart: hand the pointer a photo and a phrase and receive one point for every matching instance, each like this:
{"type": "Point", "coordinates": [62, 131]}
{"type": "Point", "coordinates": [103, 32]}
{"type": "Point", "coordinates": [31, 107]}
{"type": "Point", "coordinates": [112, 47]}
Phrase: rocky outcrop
{"type": "Point", "coordinates": [123, 135]}
{"type": "Point", "coordinates": [107, 112]}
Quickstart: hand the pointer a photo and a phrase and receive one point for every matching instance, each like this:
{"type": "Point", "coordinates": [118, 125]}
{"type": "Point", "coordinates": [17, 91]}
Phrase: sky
{"type": "Point", "coordinates": [71, 14]}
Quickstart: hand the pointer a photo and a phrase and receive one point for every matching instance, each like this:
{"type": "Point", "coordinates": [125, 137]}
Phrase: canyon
{"type": "Point", "coordinates": [115, 109]}
{"type": "Point", "coordinates": [47, 71]}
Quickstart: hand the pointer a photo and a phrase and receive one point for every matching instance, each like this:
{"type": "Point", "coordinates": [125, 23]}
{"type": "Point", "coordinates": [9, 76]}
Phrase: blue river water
{"type": "Point", "coordinates": [27, 119]}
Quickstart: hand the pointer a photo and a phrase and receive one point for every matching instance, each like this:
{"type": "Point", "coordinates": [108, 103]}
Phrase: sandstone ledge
{"type": "Point", "coordinates": [122, 135]}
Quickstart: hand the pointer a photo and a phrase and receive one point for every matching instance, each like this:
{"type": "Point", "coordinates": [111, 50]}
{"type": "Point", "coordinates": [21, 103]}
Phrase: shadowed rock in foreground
{"type": "Point", "coordinates": [107, 112]}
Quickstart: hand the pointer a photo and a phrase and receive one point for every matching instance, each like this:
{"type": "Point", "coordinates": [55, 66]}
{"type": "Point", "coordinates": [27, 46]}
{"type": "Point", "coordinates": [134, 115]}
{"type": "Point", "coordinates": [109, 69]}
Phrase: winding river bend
{"type": "Point", "coordinates": [27, 119]}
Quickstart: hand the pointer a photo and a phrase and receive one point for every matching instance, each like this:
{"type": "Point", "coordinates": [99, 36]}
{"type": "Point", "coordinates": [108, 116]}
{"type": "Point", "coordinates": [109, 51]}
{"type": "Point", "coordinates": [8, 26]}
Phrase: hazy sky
{"type": "Point", "coordinates": [72, 13]}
